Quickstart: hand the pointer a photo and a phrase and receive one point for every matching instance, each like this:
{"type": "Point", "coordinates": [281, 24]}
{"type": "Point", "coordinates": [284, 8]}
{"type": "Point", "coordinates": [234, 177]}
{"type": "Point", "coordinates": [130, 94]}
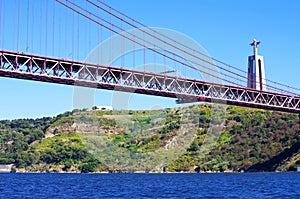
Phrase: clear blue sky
{"type": "Point", "coordinates": [223, 28]}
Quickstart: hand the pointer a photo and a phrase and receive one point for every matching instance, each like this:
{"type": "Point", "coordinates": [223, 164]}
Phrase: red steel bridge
{"type": "Point", "coordinates": [54, 28]}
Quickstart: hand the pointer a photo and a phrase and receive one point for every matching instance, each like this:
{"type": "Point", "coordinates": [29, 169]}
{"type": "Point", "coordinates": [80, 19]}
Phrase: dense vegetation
{"type": "Point", "coordinates": [250, 138]}
{"type": "Point", "coordinates": [23, 143]}
{"type": "Point", "coordinates": [195, 138]}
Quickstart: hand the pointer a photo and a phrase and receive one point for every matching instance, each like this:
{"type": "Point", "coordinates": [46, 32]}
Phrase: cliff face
{"type": "Point", "coordinates": [195, 138]}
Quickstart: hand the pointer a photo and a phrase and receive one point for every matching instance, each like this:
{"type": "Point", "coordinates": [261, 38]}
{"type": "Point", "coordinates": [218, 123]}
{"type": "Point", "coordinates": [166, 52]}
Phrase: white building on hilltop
{"type": "Point", "coordinates": [103, 108]}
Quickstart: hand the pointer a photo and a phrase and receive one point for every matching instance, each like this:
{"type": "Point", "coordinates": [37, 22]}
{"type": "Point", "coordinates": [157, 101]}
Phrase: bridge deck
{"type": "Point", "coordinates": [46, 69]}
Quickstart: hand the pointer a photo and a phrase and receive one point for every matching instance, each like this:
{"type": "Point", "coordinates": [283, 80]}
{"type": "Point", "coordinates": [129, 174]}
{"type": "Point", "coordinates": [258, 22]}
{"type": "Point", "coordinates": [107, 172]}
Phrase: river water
{"type": "Point", "coordinates": [221, 185]}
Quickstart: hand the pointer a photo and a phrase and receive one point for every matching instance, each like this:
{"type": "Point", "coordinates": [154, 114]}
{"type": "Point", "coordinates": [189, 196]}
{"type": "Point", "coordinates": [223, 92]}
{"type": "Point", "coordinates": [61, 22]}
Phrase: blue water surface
{"type": "Point", "coordinates": [221, 185]}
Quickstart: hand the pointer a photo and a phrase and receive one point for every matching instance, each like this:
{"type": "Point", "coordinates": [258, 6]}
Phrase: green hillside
{"type": "Point", "coordinates": [192, 139]}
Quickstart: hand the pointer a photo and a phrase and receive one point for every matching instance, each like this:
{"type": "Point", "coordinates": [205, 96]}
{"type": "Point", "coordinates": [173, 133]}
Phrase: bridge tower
{"type": "Point", "coordinates": [256, 69]}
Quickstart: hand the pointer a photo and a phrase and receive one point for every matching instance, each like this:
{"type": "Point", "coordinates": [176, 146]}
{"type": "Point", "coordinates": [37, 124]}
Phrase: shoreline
{"type": "Point", "coordinates": [29, 172]}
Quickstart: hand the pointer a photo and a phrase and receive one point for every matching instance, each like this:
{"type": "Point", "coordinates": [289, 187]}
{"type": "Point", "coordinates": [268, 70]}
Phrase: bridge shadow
{"type": "Point", "coordinates": [274, 162]}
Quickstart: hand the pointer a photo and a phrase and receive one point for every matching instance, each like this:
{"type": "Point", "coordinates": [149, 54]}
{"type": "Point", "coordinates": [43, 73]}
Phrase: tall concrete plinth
{"type": "Point", "coordinates": [256, 69]}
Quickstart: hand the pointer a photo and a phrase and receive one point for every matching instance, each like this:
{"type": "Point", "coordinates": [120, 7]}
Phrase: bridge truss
{"type": "Point", "coordinates": [62, 71]}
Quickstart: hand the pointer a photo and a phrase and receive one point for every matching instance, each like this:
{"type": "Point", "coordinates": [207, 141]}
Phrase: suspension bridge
{"type": "Point", "coordinates": [53, 43]}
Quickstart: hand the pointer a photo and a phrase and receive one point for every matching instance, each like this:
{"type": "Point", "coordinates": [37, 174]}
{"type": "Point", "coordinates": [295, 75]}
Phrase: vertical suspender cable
{"type": "Point", "coordinates": [154, 56]}
{"type": "Point", "coordinates": [111, 43]}
{"type": "Point", "coordinates": [98, 41]}
{"type": "Point", "coordinates": [73, 32]}
{"type": "Point", "coordinates": [41, 28]}
{"type": "Point", "coordinates": [89, 36]}
{"type": "Point", "coordinates": [133, 55]}
{"type": "Point", "coordinates": [175, 66]}
{"type": "Point", "coordinates": [1, 23]}
{"type": "Point", "coordinates": [59, 32]}
{"type": "Point", "coordinates": [122, 48]}
{"type": "Point", "coordinates": [101, 39]}
{"type": "Point", "coordinates": [165, 62]}
{"type": "Point", "coordinates": [32, 28]}
{"type": "Point", "coordinates": [27, 30]}
{"type": "Point", "coordinates": [85, 39]}
{"type": "Point", "coordinates": [144, 59]}
{"type": "Point", "coordinates": [46, 28]}
{"type": "Point", "coordinates": [18, 28]}
{"type": "Point", "coordinates": [66, 36]}
{"type": "Point", "coordinates": [53, 27]}
{"type": "Point", "coordinates": [14, 28]}
{"type": "Point", "coordinates": [78, 36]}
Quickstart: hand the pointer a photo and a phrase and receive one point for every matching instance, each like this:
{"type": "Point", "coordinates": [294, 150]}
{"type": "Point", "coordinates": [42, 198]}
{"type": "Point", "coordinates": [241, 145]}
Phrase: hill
{"type": "Point", "coordinates": [192, 139]}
